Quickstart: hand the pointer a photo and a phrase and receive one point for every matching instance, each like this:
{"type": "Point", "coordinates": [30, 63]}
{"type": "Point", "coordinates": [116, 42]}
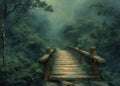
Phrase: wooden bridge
{"type": "Point", "coordinates": [69, 64]}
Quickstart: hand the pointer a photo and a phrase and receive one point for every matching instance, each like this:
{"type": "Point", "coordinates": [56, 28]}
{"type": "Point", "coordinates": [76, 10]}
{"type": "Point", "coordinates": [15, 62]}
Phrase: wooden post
{"type": "Point", "coordinates": [47, 65]}
{"type": "Point", "coordinates": [93, 50]}
{"type": "Point", "coordinates": [81, 59]}
{"type": "Point", "coordinates": [47, 71]}
{"type": "Point", "coordinates": [48, 50]}
{"type": "Point", "coordinates": [93, 63]}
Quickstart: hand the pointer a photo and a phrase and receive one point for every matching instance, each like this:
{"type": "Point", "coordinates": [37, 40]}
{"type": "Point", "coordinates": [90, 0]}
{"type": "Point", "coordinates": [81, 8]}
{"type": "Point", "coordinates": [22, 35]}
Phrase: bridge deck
{"type": "Point", "coordinates": [65, 66]}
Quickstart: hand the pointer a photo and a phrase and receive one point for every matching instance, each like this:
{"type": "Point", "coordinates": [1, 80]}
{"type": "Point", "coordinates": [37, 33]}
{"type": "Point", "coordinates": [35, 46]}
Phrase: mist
{"type": "Point", "coordinates": [67, 12]}
{"type": "Point", "coordinates": [31, 29]}
{"type": "Point", "coordinates": [64, 13]}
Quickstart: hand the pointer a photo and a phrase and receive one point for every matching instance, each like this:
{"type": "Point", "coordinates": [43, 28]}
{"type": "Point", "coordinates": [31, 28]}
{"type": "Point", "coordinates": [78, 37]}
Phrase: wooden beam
{"type": "Point", "coordinates": [92, 55]}
{"type": "Point", "coordinates": [44, 58]}
{"type": "Point", "coordinates": [49, 52]}
{"type": "Point", "coordinates": [71, 77]}
{"type": "Point", "coordinates": [94, 59]}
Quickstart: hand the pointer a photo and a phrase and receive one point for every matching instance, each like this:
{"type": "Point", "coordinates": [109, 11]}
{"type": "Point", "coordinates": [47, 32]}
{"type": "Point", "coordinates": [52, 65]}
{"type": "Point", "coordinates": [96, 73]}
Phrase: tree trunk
{"type": "Point", "coordinates": [3, 40]}
{"type": "Point", "coordinates": [3, 32]}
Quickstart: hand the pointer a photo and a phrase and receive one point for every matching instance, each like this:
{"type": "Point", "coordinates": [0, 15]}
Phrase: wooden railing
{"type": "Point", "coordinates": [94, 59]}
{"type": "Point", "coordinates": [45, 60]}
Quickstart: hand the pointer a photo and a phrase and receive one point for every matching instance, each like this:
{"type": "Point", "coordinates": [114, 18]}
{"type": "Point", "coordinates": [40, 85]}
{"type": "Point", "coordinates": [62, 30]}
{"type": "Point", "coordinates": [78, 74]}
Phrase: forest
{"type": "Point", "coordinates": [28, 27]}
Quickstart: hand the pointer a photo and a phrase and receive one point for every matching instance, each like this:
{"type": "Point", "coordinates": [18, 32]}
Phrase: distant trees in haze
{"type": "Point", "coordinates": [102, 30]}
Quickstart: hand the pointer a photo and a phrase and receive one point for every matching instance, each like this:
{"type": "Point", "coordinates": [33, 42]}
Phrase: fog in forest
{"type": "Point", "coordinates": [29, 27]}
{"type": "Point", "coordinates": [67, 12]}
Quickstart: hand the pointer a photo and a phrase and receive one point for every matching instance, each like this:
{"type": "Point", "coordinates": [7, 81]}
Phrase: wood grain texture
{"type": "Point", "coordinates": [67, 67]}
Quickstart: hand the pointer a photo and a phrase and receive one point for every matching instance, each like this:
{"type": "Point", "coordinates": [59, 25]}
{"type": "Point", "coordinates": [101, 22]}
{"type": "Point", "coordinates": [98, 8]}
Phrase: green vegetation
{"type": "Point", "coordinates": [21, 42]}
{"type": "Point", "coordinates": [24, 36]}
{"type": "Point", "coordinates": [102, 31]}
{"type": "Point", "coordinates": [20, 71]}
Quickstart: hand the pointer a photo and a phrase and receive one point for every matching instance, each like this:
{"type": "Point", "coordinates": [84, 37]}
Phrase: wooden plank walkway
{"type": "Point", "coordinates": [66, 67]}
{"type": "Point", "coordinates": [62, 68]}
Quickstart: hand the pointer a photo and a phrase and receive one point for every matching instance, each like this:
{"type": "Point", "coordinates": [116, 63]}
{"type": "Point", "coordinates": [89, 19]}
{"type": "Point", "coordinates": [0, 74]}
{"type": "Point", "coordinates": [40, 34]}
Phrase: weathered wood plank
{"type": "Point", "coordinates": [44, 58]}
{"type": "Point", "coordinates": [64, 63]}
{"type": "Point", "coordinates": [71, 77]}
{"type": "Point", "coordinates": [67, 67]}
{"type": "Point", "coordinates": [67, 72]}
{"type": "Point", "coordinates": [70, 66]}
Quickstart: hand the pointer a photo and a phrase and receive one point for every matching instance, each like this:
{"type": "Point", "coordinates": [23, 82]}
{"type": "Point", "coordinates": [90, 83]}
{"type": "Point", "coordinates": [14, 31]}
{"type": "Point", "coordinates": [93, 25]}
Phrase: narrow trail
{"type": "Point", "coordinates": [66, 67]}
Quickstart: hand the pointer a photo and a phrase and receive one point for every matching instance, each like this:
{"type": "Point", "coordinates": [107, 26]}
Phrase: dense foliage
{"type": "Point", "coordinates": [25, 39]}
{"type": "Point", "coordinates": [24, 42]}
{"type": "Point", "coordinates": [103, 31]}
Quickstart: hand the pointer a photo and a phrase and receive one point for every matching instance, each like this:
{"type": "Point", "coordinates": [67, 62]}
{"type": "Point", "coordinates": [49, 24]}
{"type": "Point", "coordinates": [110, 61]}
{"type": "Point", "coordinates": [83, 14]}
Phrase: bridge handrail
{"type": "Point", "coordinates": [94, 59]}
{"type": "Point", "coordinates": [49, 52]}
{"type": "Point", "coordinates": [92, 55]}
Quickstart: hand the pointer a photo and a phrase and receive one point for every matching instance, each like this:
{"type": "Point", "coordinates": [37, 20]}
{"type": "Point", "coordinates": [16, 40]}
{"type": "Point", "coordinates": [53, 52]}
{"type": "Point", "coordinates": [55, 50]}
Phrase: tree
{"type": "Point", "coordinates": [7, 7]}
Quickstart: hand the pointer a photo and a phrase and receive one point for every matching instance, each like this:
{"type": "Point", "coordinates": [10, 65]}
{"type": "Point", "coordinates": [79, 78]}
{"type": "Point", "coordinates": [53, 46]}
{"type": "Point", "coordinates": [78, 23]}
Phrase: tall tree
{"type": "Point", "coordinates": [7, 7]}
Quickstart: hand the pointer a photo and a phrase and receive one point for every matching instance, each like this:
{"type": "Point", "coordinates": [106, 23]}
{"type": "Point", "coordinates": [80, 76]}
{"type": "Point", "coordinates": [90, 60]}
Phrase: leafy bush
{"type": "Point", "coordinates": [21, 71]}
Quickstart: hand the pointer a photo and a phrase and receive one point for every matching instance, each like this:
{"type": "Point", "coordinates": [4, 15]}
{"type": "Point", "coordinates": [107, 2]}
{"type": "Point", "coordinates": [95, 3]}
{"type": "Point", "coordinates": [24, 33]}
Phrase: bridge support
{"type": "Point", "coordinates": [93, 63]}
{"type": "Point", "coordinates": [81, 59]}
{"type": "Point", "coordinates": [46, 71]}
{"type": "Point", "coordinates": [45, 60]}
{"type": "Point", "coordinates": [95, 69]}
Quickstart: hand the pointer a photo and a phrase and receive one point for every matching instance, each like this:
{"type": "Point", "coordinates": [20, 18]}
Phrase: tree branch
{"type": "Point", "coordinates": [16, 6]}
{"type": "Point", "coordinates": [14, 23]}
{"type": "Point", "coordinates": [1, 5]}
